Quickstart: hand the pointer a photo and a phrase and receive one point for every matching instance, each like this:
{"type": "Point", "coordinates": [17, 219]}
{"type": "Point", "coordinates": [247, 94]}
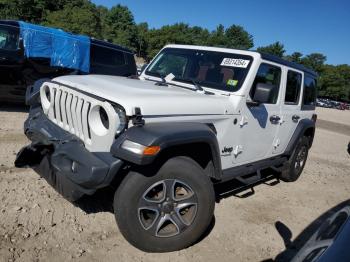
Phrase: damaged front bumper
{"type": "Point", "coordinates": [62, 159]}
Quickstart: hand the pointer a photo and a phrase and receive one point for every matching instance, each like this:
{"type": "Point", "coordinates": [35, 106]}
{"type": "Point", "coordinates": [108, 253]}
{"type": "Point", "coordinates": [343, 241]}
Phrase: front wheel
{"type": "Point", "coordinates": [167, 211]}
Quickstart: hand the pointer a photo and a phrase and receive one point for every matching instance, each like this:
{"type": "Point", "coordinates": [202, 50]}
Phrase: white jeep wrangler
{"type": "Point", "coordinates": [196, 117]}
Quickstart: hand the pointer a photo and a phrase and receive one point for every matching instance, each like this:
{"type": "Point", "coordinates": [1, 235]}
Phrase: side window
{"type": "Point", "coordinates": [268, 74]}
{"type": "Point", "coordinates": [9, 38]}
{"type": "Point", "coordinates": [105, 56]}
{"type": "Point", "coordinates": [293, 88]}
{"type": "Point", "coordinates": [309, 91]}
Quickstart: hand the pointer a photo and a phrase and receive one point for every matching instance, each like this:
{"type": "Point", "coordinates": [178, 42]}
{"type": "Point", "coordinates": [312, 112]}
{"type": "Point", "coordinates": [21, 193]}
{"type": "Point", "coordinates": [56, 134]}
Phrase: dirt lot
{"type": "Point", "coordinates": [36, 224]}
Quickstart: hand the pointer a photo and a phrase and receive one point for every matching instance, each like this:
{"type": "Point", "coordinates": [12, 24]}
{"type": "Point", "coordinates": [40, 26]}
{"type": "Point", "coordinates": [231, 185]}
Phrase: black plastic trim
{"type": "Point", "coordinates": [308, 107]}
{"type": "Point", "coordinates": [167, 135]}
{"type": "Point", "coordinates": [302, 126]}
{"type": "Point", "coordinates": [239, 171]}
{"type": "Point", "coordinates": [65, 163]}
{"type": "Point", "coordinates": [33, 93]}
{"type": "Point", "coordinates": [80, 91]}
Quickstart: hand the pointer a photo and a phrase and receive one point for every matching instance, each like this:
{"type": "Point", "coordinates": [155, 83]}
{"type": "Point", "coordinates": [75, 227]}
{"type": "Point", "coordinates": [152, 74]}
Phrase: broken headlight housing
{"type": "Point", "coordinates": [123, 121]}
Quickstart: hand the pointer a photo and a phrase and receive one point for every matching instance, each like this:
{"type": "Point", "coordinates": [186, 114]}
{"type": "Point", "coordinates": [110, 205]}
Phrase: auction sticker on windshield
{"type": "Point", "coordinates": [233, 62]}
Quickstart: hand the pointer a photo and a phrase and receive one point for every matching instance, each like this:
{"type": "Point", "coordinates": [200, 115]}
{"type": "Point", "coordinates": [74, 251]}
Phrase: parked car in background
{"type": "Point", "coordinates": [30, 52]}
{"type": "Point", "coordinates": [327, 103]}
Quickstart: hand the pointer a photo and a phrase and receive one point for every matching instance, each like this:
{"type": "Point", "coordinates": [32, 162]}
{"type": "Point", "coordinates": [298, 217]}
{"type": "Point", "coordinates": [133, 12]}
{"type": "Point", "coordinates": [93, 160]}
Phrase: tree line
{"type": "Point", "coordinates": [117, 25]}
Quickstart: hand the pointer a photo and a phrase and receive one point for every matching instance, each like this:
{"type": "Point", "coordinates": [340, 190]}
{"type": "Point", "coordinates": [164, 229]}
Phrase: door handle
{"type": "Point", "coordinates": [295, 118]}
{"type": "Point", "coordinates": [274, 119]}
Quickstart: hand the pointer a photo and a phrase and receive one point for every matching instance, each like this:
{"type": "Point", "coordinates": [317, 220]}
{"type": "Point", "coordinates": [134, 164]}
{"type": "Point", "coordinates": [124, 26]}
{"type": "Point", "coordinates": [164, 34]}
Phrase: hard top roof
{"type": "Point", "coordinates": [282, 61]}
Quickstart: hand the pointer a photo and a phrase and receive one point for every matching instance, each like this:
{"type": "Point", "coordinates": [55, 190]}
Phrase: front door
{"type": "Point", "coordinates": [259, 124]}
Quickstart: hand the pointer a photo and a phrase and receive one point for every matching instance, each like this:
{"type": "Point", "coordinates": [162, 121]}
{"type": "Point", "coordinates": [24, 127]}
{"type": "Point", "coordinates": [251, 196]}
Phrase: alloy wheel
{"type": "Point", "coordinates": [167, 208]}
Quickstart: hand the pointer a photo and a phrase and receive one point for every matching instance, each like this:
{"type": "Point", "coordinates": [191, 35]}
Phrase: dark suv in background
{"type": "Point", "coordinates": [18, 71]}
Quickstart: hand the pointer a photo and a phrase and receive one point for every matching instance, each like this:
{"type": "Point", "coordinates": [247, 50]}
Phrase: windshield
{"type": "Point", "coordinates": [9, 38]}
{"type": "Point", "coordinates": [218, 70]}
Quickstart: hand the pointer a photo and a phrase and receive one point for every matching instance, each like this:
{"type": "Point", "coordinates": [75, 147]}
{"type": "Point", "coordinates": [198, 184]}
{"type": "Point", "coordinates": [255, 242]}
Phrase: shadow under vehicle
{"type": "Point", "coordinates": [30, 52]}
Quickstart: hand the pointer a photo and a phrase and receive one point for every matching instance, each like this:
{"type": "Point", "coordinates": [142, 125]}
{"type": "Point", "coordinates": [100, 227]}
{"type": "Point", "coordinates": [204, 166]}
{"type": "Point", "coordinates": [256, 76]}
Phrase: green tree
{"type": "Point", "coordinates": [83, 19]}
{"type": "Point", "coordinates": [33, 10]}
{"type": "Point", "coordinates": [102, 14]}
{"type": "Point", "coordinates": [199, 35]}
{"type": "Point", "coordinates": [179, 33]}
{"type": "Point", "coordinates": [141, 39]}
{"type": "Point", "coordinates": [217, 37]}
{"type": "Point", "coordinates": [276, 49]}
{"type": "Point", "coordinates": [334, 82]}
{"type": "Point", "coordinates": [237, 37]}
{"type": "Point", "coordinates": [295, 57]}
{"type": "Point", "coordinates": [314, 61]}
{"type": "Point", "coordinates": [120, 26]}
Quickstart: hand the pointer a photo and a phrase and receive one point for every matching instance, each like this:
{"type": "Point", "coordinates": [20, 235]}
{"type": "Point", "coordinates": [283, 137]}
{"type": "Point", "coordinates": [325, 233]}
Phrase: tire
{"type": "Point", "coordinates": [154, 219]}
{"type": "Point", "coordinates": [294, 166]}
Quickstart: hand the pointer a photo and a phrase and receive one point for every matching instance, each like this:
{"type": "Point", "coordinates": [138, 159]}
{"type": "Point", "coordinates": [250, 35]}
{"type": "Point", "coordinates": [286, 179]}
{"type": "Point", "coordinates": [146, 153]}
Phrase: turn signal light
{"type": "Point", "coordinates": [139, 149]}
{"type": "Point", "coordinates": [151, 150]}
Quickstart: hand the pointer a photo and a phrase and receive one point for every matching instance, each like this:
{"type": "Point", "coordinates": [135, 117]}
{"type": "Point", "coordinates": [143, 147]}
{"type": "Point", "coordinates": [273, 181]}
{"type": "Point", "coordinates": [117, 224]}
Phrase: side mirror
{"type": "Point", "coordinates": [264, 93]}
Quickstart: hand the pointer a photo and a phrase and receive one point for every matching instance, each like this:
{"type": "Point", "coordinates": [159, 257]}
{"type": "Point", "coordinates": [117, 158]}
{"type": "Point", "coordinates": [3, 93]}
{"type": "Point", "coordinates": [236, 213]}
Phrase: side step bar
{"type": "Point", "coordinates": [248, 169]}
{"type": "Point", "coordinates": [237, 186]}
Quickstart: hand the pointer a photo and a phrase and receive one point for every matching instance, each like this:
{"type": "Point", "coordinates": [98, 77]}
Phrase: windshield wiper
{"type": "Point", "coordinates": [197, 86]}
{"type": "Point", "coordinates": [163, 82]}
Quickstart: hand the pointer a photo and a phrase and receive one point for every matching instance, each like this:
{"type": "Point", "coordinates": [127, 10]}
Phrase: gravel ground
{"type": "Point", "coordinates": [37, 224]}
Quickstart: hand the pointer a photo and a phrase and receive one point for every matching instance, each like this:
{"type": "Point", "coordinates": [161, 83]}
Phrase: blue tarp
{"type": "Point", "coordinates": [62, 48]}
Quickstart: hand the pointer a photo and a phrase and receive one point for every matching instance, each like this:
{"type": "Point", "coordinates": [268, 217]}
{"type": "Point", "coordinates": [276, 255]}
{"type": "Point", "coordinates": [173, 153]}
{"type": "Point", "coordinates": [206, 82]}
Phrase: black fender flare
{"type": "Point", "coordinates": [33, 92]}
{"type": "Point", "coordinates": [302, 127]}
{"type": "Point", "coordinates": [167, 135]}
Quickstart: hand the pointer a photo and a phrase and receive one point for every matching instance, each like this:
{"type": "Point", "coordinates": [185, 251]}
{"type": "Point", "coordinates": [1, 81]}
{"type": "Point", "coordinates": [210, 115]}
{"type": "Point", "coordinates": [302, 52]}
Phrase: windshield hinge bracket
{"type": "Point", "coordinates": [137, 118]}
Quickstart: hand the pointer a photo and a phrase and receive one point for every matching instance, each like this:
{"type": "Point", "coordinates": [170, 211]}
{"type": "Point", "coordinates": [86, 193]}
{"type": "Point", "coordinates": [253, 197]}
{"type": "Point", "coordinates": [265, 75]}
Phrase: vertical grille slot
{"type": "Point", "coordinates": [74, 115]}
{"type": "Point", "coordinates": [63, 109]}
{"type": "Point", "coordinates": [57, 106]}
{"type": "Point", "coordinates": [54, 104]}
{"type": "Point", "coordinates": [69, 113]}
{"type": "Point", "coordinates": [85, 124]}
{"type": "Point", "coordinates": [79, 118]}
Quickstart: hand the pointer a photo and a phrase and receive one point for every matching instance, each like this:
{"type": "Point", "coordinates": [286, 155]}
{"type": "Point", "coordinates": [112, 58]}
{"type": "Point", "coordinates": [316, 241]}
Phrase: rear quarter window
{"type": "Point", "coordinates": [106, 56]}
{"type": "Point", "coordinates": [293, 88]}
{"type": "Point", "coordinates": [309, 97]}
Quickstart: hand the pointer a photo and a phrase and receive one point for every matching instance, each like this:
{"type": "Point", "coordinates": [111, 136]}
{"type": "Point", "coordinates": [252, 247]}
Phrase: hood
{"type": "Point", "coordinates": [150, 98]}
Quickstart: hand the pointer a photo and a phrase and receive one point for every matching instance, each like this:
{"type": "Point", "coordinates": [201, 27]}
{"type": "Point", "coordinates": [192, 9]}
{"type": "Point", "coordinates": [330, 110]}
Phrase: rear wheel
{"type": "Point", "coordinates": [295, 165]}
{"type": "Point", "coordinates": [167, 211]}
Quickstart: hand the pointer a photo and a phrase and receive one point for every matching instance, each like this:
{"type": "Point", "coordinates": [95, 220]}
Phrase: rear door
{"type": "Point", "coordinates": [290, 108]}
